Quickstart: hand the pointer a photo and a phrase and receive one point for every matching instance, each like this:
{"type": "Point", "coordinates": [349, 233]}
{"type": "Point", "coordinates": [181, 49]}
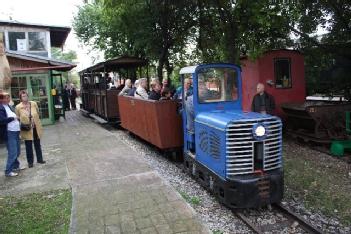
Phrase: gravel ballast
{"type": "Point", "coordinates": [219, 218]}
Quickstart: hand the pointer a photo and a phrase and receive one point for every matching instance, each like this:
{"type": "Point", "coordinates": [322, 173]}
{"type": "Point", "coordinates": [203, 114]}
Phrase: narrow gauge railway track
{"type": "Point", "coordinates": [291, 219]}
{"type": "Point", "coordinates": [247, 216]}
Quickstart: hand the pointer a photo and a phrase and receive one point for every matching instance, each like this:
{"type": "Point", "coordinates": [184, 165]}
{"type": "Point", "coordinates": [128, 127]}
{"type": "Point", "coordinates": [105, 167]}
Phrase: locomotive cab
{"type": "Point", "coordinates": [235, 154]}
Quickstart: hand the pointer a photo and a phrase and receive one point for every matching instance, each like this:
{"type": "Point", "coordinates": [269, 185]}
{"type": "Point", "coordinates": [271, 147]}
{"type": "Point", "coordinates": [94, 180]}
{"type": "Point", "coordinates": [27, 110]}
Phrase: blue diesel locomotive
{"type": "Point", "coordinates": [237, 155]}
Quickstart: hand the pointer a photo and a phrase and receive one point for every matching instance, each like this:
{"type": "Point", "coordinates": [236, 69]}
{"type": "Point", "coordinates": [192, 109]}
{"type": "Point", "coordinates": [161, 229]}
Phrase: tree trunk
{"type": "Point", "coordinates": [169, 69]}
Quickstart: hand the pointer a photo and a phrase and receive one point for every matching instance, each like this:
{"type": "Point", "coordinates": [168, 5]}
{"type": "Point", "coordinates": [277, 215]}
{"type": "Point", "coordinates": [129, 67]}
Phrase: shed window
{"type": "Point", "coordinates": [37, 41]}
{"type": "Point", "coordinates": [17, 41]}
{"type": "Point", "coordinates": [282, 73]}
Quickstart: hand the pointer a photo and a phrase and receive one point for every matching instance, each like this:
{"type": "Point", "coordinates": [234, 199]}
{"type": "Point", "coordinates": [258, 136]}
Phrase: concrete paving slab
{"type": "Point", "coordinates": [114, 190]}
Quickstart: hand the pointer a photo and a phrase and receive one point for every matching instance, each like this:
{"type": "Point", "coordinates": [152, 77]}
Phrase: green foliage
{"type": "Point", "coordinates": [172, 34]}
{"type": "Point", "coordinates": [57, 53]}
{"type": "Point", "coordinates": [328, 56]}
{"type": "Point", "coordinates": [217, 232]}
{"type": "Point", "coordinates": [36, 213]}
{"type": "Point", "coordinates": [154, 29]}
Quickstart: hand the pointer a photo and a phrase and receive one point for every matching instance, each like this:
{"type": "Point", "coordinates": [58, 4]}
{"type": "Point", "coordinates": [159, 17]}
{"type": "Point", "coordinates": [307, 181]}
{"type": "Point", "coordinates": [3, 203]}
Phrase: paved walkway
{"type": "Point", "coordinates": [114, 189]}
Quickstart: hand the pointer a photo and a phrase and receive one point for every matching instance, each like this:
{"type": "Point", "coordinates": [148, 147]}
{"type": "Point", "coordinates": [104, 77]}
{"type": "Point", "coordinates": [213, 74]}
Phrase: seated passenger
{"type": "Point", "coordinates": [204, 92]}
{"type": "Point", "coordinates": [155, 93]}
{"type": "Point", "coordinates": [166, 94]}
{"type": "Point", "coordinates": [126, 88]}
{"type": "Point", "coordinates": [131, 92]}
{"type": "Point", "coordinates": [141, 92]}
{"type": "Point", "coordinates": [187, 87]}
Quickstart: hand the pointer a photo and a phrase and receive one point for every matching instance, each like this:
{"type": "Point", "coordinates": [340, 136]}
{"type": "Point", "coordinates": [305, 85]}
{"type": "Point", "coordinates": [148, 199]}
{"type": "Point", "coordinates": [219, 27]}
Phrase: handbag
{"type": "Point", "coordinates": [27, 127]}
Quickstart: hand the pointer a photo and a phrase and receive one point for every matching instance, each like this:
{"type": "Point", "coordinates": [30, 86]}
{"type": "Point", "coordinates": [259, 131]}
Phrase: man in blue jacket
{"type": "Point", "coordinates": [9, 133]}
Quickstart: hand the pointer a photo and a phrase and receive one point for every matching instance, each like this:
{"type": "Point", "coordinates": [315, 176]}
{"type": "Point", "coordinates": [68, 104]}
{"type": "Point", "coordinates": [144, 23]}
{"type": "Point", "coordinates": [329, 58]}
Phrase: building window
{"type": "Point", "coordinates": [37, 41]}
{"type": "Point", "coordinates": [17, 41]}
{"type": "Point", "coordinates": [282, 68]}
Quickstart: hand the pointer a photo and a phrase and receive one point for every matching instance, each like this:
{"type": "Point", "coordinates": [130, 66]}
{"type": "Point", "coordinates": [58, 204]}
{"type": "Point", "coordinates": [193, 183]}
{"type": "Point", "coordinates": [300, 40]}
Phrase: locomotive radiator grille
{"type": "Point", "coordinates": [240, 147]}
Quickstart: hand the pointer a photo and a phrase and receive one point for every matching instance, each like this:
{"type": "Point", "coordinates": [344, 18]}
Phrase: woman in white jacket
{"type": "Point", "coordinates": [141, 92]}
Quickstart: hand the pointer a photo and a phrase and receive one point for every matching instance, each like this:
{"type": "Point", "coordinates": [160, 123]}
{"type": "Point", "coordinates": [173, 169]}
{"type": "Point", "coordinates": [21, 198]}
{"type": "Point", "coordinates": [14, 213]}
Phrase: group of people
{"type": "Point", "coordinates": [158, 91]}
{"type": "Point", "coordinates": [16, 124]}
{"type": "Point", "coordinates": [69, 96]}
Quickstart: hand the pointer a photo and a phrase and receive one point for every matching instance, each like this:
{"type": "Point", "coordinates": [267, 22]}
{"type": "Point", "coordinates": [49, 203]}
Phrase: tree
{"type": "Point", "coordinates": [154, 29]}
{"type": "Point", "coordinates": [58, 54]}
{"type": "Point", "coordinates": [228, 29]}
{"type": "Point", "coordinates": [327, 56]}
{"type": "Point", "coordinates": [164, 31]}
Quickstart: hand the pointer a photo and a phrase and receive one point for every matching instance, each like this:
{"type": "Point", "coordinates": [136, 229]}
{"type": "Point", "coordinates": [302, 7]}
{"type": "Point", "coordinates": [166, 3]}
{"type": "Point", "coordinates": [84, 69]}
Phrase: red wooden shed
{"type": "Point", "coordinates": [283, 74]}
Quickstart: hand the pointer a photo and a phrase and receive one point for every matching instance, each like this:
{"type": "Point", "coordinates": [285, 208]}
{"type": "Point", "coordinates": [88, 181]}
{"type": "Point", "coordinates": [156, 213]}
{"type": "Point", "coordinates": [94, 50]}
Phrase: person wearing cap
{"type": "Point", "coordinates": [10, 134]}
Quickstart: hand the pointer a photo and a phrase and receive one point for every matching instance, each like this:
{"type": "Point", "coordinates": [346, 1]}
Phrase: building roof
{"type": "Point", "coordinates": [48, 63]}
{"type": "Point", "coordinates": [58, 34]}
{"type": "Point", "coordinates": [116, 63]}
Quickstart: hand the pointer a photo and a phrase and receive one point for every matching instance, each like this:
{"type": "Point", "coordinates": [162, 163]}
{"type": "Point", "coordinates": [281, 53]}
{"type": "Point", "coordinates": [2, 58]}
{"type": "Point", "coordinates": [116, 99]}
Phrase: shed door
{"type": "Point", "coordinates": [38, 89]}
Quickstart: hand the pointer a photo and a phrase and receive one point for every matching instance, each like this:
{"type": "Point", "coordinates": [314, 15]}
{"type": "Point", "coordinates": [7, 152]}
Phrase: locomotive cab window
{"type": "Point", "coordinates": [282, 69]}
{"type": "Point", "coordinates": [217, 85]}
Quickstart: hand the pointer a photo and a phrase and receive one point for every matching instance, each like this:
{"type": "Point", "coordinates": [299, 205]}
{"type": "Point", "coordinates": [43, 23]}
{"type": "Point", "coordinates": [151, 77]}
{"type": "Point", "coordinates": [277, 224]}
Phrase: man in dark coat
{"type": "Point", "coordinates": [65, 98]}
{"type": "Point", "coordinates": [73, 96]}
{"type": "Point", "coordinates": [263, 102]}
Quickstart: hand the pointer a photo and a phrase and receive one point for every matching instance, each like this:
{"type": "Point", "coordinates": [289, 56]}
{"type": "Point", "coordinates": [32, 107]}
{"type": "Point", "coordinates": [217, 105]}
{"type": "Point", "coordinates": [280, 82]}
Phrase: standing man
{"type": "Point", "coordinates": [73, 96]}
{"type": "Point", "coordinates": [263, 102]}
{"type": "Point", "coordinates": [65, 98]}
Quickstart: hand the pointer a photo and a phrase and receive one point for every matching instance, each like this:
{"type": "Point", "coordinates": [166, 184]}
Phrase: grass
{"type": "Point", "coordinates": [322, 185]}
{"type": "Point", "coordinates": [193, 200]}
{"type": "Point", "coordinates": [36, 213]}
{"type": "Point", "coordinates": [217, 232]}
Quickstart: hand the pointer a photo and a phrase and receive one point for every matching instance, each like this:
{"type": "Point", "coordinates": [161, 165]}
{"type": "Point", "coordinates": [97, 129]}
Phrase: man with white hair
{"type": "Point", "coordinates": [141, 92]}
{"type": "Point", "coordinates": [263, 102]}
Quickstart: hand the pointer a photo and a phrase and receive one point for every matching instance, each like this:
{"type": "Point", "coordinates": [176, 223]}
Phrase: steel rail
{"type": "Point", "coordinates": [304, 224]}
{"type": "Point", "coordinates": [251, 225]}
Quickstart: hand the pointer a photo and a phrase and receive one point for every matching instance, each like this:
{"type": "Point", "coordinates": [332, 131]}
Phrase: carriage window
{"type": "Point", "coordinates": [217, 85]}
{"type": "Point", "coordinates": [282, 73]}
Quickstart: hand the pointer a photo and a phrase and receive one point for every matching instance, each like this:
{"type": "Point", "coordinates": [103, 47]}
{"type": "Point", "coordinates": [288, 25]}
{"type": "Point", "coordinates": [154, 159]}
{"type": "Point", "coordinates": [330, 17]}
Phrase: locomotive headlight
{"type": "Point", "coordinates": [260, 131]}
